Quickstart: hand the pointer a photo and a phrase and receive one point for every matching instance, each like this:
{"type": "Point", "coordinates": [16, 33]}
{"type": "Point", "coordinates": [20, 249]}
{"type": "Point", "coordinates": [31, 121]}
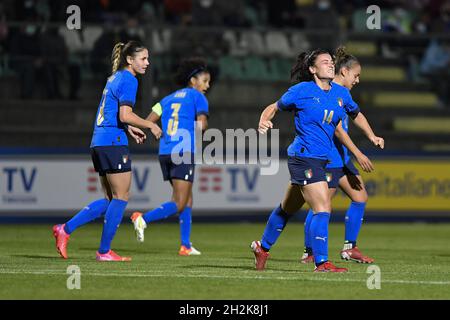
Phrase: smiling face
{"type": "Point", "coordinates": [138, 63]}
{"type": "Point", "coordinates": [200, 82]}
{"type": "Point", "coordinates": [323, 67]}
{"type": "Point", "coordinates": [350, 76]}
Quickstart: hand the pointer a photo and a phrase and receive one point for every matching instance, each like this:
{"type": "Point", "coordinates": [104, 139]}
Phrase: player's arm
{"type": "Point", "coordinates": [202, 120]}
{"type": "Point", "coordinates": [137, 134]}
{"type": "Point", "coordinates": [155, 114]}
{"type": "Point", "coordinates": [265, 121]}
{"type": "Point", "coordinates": [126, 115]}
{"type": "Point", "coordinates": [361, 122]}
{"type": "Point", "coordinates": [345, 139]}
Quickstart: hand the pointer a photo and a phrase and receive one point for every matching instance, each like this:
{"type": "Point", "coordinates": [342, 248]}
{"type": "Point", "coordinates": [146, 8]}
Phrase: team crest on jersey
{"type": "Point", "coordinates": [340, 102]}
{"type": "Point", "coordinates": [125, 158]}
{"type": "Point", "coordinates": [329, 176]}
{"type": "Point", "coordinates": [308, 173]}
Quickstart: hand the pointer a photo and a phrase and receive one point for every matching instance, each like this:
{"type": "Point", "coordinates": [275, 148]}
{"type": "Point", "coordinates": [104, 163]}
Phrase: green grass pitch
{"type": "Point", "coordinates": [414, 261]}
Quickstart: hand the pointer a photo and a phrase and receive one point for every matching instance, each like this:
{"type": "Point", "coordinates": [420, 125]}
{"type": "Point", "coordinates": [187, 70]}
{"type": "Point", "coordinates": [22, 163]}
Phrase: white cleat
{"type": "Point", "coordinates": [139, 226]}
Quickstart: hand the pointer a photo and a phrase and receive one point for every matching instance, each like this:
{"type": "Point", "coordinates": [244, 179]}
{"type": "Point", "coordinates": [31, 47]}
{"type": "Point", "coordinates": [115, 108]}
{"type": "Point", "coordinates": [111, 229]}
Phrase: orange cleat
{"type": "Point", "coordinates": [111, 256]}
{"type": "Point", "coordinates": [62, 238]}
{"type": "Point", "coordinates": [355, 255]}
{"type": "Point", "coordinates": [261, 256]}
{"type": "Point", "coordinates": [329, 267]}
{"type": "Point", "coordinates": [184, 251]}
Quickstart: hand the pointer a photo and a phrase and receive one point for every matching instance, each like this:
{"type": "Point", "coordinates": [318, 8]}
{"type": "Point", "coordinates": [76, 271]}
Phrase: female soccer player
{"type": "Point", "coordinates": [342, 172]}
{"type": "Point", "coordinates": [179, 112]}
{"type": "Point", "coordinates": [109, 149]}
{"type": "Point", "coordinates": [319, 107]}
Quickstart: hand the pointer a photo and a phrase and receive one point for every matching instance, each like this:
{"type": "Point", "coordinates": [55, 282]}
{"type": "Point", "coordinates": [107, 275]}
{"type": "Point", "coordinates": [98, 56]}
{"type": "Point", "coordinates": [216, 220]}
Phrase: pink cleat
{"type": "Point", "coordinates": [261, 256]}
{"type": "Point", "coordinates": [62, 238]}
{"type": "Point", "coordinates": [111, 256]}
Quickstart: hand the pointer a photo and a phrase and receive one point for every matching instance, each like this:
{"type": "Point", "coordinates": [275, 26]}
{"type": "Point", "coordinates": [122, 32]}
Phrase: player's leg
{"type": "Point", "coordinates": [185, 218]}
{"type": "Point", "coordinates": [279, 217]}
{"type": "Point", "coordinates": [292, 202]}
{"type": "Point", "coordinates": [92, 211]}
{"type": "Point", "coordinates": [332, 176]}
{"type": "Point", "coordinates": [89, 213]}
{"type": "Point", "coordinates": [119, 184]}
{"type": "Point", "coordinates": [317, 196]}
{"type": "Point", "coordinates": [353, 186]}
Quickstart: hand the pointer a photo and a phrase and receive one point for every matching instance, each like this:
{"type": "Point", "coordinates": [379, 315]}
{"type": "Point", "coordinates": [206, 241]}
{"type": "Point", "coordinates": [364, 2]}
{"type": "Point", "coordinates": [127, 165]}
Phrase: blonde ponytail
{"type": "Point", "coordinates": [116, 56]}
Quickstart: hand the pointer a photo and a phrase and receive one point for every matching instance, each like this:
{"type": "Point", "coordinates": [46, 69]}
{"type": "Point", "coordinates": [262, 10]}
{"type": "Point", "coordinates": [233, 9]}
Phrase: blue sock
{"type": "Point", "coordinates": [353, 221]}
{"type": "Point", "coordinates": [162, 212]}
{"type": "Point", "coordinates": [185, 227]}
{"type": "Point", "coordinates": [275, 225]}
{"type": "Point", "coordinates": [113, 217]}
{"type": "Point", "coordinates": [319, 233]}
{"type": "Point", "coordinates": [307, 229]}
{"type": "Point", "coordinates": [88, 214]}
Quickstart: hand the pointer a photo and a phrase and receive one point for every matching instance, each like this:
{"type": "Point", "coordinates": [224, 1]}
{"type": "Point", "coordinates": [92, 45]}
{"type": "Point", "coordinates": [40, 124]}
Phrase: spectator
{"type": "Point", "coordinates": [435, 66]}
{"type": "Point", "coordinates": [131, 31]}
{"type": "Point", "coordinates": [100, 56]}
{"type": "Point", "coordinates": [55, 58]}
{"type": "Point", "coordinates": [26, 58]}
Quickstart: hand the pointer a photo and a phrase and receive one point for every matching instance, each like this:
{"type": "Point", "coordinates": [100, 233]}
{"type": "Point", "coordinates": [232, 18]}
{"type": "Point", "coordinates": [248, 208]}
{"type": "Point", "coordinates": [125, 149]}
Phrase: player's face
{"type": "Point", "coordinates": [351, 76]}
{"type": "Point", "coordinates": [201, 82]}
{"type": "Point", "coordinates": [139, 62]}
{"type": "Point", "coordinates": [323, 67]}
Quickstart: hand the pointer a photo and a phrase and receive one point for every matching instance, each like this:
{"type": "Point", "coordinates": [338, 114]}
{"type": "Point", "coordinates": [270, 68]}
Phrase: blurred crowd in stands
{"type": "Point", "coordinates": [36, 51]}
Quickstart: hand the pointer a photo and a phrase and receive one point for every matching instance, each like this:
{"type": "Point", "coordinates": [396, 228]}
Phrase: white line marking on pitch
{"type": "Point", "coordinates": [134, 275]}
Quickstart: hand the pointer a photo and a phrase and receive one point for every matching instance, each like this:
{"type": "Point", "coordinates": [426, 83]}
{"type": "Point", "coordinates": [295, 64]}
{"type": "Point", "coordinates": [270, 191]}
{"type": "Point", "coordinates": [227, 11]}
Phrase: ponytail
{"type": "Point", "coordinates": [343, 59]}
{"type": "Point", "coordinates": [116, 56]}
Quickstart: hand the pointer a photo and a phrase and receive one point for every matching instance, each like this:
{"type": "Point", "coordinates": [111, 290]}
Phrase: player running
{"type": "Point", "coordinates": [109, 149]}
{"type": "Point", "coordinates": [319, 107]}
{"type": "Point", "coordinates": [342, 172]}
{"type": "Point", "coordinates": [179, 112]}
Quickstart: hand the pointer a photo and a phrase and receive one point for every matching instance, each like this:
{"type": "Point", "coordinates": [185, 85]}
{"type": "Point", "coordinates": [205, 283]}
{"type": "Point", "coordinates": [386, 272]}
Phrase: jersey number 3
{"type": "Point", "coordinates": [172, 125]}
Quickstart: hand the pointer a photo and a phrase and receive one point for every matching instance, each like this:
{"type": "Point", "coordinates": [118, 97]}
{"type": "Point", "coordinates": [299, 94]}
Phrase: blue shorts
{"type": "Point", "coordinates": [111, 159]}
{"type": "Point", "coordinates": [182, 171]}
{"type": "Point", "coordinates": [335, 174]}
{"type": "Point", "coordinates": [306, 170]}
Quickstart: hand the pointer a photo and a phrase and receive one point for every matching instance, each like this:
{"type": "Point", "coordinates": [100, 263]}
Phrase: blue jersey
{"type": "Point", "coordinates": [179, 112]}
{"type": "Point", "coordinates": [317, 113]}
{"type": "Point", "coordinates": [120, 90]}
{"type": "Point", "coordinates": [340, 155]}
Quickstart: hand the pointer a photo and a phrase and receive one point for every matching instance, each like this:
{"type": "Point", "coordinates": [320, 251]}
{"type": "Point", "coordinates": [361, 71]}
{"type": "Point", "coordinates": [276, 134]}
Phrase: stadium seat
{"type": "Point", "coordinates": [361, 48]}
{"type": "Point", "coordinates": [231, 39]}
{"type": "Point", "coordinates": [437, 147]}
{"type": "Point", "coordinates": [230, 68]}
{"type": "Point", "coordinates": [422, 125]}
{"type": "Point", "coordinates": [405, 99]}
{"type": "Point", "coordinates": [280, 68]}
{"type": "Point", "coordinates": [253, 41]}
{"type": "Point", "coordinates": [277, 43]}
{"type": "Point", "coordinates": [255, 68]}
{"type": "Point", "coordinates": [388, 74]}
{"type": "Point", "coordinates": [299, 43]}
